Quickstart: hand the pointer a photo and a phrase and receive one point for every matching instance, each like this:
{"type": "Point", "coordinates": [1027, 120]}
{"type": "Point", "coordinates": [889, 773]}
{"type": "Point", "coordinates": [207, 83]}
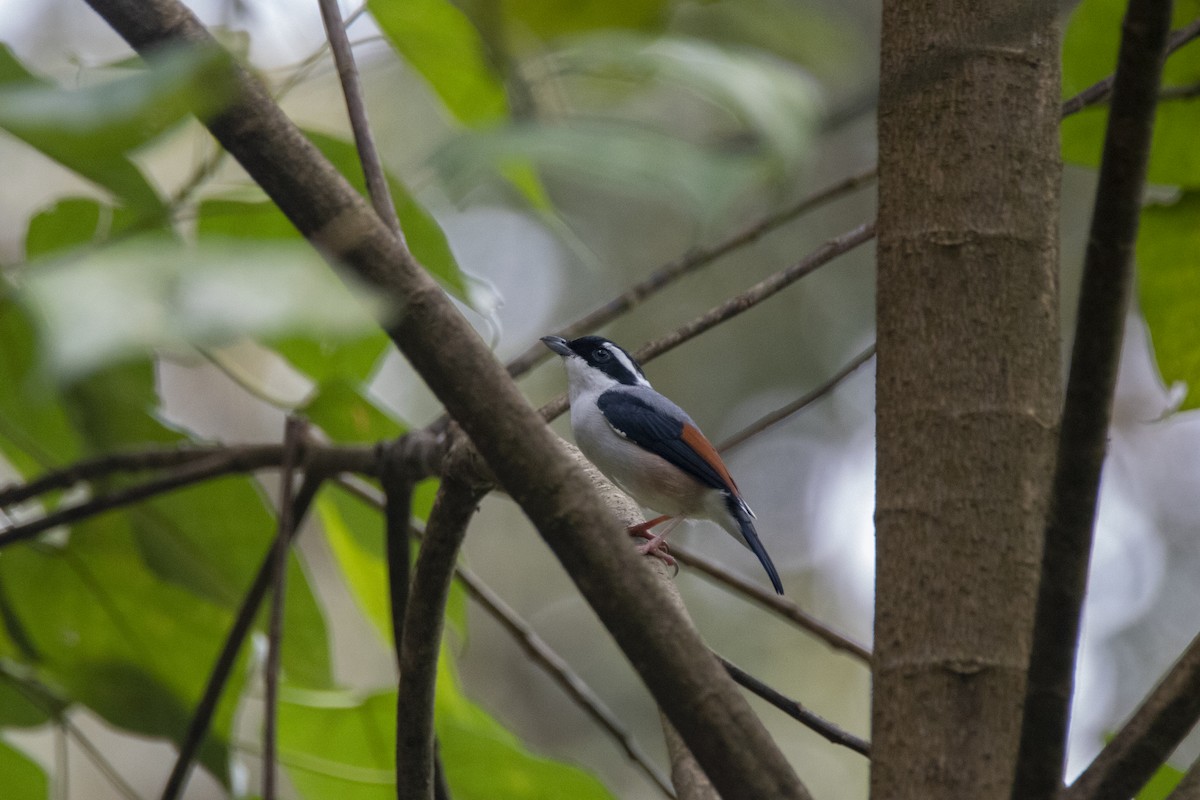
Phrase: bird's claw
{"type": "Point", "coordinates": [657, 547]}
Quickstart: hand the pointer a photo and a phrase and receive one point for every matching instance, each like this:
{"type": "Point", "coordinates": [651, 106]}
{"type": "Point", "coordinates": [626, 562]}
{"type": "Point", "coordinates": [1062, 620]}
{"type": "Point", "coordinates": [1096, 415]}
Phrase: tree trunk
{"type": "Point", "coordinates": [968, 385]}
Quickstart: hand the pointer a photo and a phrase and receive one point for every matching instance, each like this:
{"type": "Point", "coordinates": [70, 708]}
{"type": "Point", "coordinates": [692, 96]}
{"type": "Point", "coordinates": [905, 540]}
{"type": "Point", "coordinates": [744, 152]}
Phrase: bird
{"type": "Point", "coordinates": [649, 446]}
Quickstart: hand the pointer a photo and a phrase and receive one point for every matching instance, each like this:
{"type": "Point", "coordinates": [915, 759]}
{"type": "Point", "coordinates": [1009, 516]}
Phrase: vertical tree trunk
{"type": "Point", "coordinates": [968, 385]}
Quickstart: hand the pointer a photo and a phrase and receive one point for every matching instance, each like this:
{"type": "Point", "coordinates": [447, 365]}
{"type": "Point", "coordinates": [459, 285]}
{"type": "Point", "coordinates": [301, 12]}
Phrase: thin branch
{"type": "Point", "coordinates": [734, 306]}
{"type": "Point", "coordinates": [1103, 301]}
{"type": "Point", "coordinates": [796, 711]}
{"type": "Point", "coordinates": [239, 458]}
{"type": "Point", "coordinates": [1098, 92]}
{"type": "Point", "coordinates": [223, 667]}
{"type": "Point", "coordinates": [356, 107]}
{"type": "Point", "coordinates": [777, 604]}
{"type": "Point", "coordinates": [779, 415]}
{"type": "Point", "coordinates": [1148, 738]}
{"type": "Point", "coordinates": [222, 462]}
{"type": "Point", "coordinates": [671, 271]}
{"type": "Point", "coordinates": [554, 665]}
{"type": "Point", "coordinates": [423, 621]}
{"type": "Point", "coordinates": [1188, 787]}
{"type": "Point", "coordinates": [540, 653]}
{"type": "Point", "coordinates": [293, 438]}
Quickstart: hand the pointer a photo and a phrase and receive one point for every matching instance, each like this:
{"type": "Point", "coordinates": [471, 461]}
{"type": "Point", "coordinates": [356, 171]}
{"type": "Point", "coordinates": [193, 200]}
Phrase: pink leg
{"type": "Point", "coordinates": [642, 529]}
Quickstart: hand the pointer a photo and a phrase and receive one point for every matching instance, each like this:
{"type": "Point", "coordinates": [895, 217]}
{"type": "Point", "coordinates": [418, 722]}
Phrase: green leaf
{"type": "Point", "coordinates": [1090, 53]}
{"type": "Point", "coordinates": [24, 779]}
{"type": "Point", "coordinates": [550, 19]}
{"type": "Point", "coordinates": [438, 40]}
{"type": "Point", "coordinates": [1165, 779]}
{"type": "Point", "coordinates": [777, 103]}
{"type": "Point", "coordinates": [421, 231]}
{"type": "Point", "coordinates": [1168, 258]}
{"type": "Point", "coordinates": [92, 130]}
{"type": "Point", "coordinates": [345, 413]}
{"type": "Point", "coordinates": [35, 431]}
{"type": "Point", "coordinates": [625, 158]}
{"type": "Point", "coordinates": [132, 648]}
{"type": "Point", "coordinates": [24, 703]}
{"type": "Point", "coordinates": [125, 300]}
{"type": "Point", "coordinates": [325, 360]}
{"type": "Point", "coordinates": [340, 745]}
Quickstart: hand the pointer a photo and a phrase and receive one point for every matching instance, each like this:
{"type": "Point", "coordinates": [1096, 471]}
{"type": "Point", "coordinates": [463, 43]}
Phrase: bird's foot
{"type": "Point", "coordinates": [657, 546]}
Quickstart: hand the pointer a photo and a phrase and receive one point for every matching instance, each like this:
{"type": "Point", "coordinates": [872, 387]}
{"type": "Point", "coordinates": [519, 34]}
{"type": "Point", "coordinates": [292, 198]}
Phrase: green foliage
{"type": "Point", "coordinates": [92, 131]}
{"type": "Point", "coordinates": [1089, 55]}
{"type": "Point", "coordinates": [1168, 258]}
{"type": "Point", "coordinates": [23, 778]}
{"type": "Point", "coordinates": [1161, 785]}
{"type": "Point", "coordinates": [441, 43]}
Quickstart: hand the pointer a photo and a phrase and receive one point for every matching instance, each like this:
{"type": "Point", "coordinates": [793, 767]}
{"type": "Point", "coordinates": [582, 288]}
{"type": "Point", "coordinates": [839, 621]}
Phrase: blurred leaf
{"type": "Point", "coordinates": [1168, 259]}
{"type": "Point", "coordinates": [1090, 54]}
{"type": "Point", "coordinates": [324, 360]}
{"type": "Point", "coordinates": [776, 102]}
{"type": "Point", "coordinates": [1162, 784]}
{"type": "Point", "coordinates": [345, 413]}
{"type": "Point", "coordinates": [91, 130]}
{"type": "Point", "coordinates": [113, 637]}
{"type": "Point", "coordinates": [210, 538]}
{"type": "Point", "coordinates": [817, 37]}
{"type": "Point", "coordinates": [424, 236]}
{"type": "Point", "coordinates": [24, 779]}
{"type": "Point", "coordinates": [632, 159]}
{"type": "Point", "coordinates": [438, 40]}
{"type": "Point", "coordinates": [340, 745]}
{"type": "Point", "coordinates": [125, 300]}
{"type": "Point", "coordinates": [550, 19]}
{"type": "Point", "coordinates": [354, 531]}
{"type": "Point", "coordinates": [240, 219]}
{"type": "Point", "coordinates": [35, 432]}
{"type": "Point", "coordinates": [25, 703]}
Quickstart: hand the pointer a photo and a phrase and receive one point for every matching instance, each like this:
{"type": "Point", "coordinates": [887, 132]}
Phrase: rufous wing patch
{"type": "Point", "coordinates": [694, 439]}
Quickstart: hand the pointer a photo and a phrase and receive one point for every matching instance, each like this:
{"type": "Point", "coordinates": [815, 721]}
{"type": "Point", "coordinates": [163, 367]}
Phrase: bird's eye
{"type": "Point", "coordinates": [602, 355]}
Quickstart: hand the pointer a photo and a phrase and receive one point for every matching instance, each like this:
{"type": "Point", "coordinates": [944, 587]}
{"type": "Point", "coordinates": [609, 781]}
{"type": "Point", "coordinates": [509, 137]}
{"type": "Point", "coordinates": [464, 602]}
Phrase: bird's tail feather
{"type": "Point", "coordinates": [741, 512]}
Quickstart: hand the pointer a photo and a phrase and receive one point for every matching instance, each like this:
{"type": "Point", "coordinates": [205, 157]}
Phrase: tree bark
{"type": "Point", "coordinates": [967, 385]}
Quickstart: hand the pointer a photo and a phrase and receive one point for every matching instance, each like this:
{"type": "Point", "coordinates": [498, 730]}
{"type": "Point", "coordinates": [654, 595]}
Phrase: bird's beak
{"type": "Point", "coordinates": [558, 344]}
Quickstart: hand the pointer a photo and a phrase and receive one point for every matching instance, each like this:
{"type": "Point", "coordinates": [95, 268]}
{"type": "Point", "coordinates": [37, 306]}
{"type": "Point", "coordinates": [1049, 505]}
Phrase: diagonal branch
{"type": "Point", "coordinates": [202, 716]}
{"type": "Point", "coordinates": [763, 290]}
{"type": "Point", "coordinates": [1103, 300]}
{"type": "Point", "coordinates": [812, 721]}
{"type": "Point", "coordinates": [356, 108]}
{"type": "Point", "coordinates": [1188, 787]}
{"type": "Point", "coordinates": [701, 701]}
{"type": "Point", "coordinates": [1148, 738]}
{"type": "Point", "coordinates": [689, 262]}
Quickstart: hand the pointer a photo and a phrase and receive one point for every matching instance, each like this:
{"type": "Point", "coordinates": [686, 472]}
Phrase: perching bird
{"type": "Point", "coordinates": [649, 446]}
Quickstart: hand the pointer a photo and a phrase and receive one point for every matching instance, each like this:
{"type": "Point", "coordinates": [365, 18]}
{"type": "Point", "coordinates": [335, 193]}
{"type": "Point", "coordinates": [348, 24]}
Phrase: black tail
{"type": "Point", "coordinates": [742, 514]}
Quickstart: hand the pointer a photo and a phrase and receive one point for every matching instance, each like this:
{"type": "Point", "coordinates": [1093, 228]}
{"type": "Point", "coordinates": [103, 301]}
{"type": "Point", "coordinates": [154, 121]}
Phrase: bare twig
{"type": "Point", "coordinates": [778, 604]}
{"type": "Point", "coordinates": [688, 262]}
{"type": "Point", "coordinates": [356, 107]}
{"type": "Point", "coordinates": [766, 421]}
{"type": "Point", "coordinates": [202, 716]}
{"type": "Point", "coordinates": [423, 621]}
{"type": "Point", "coordinates": [796, 711]}
{"type": "Point", "coordinates": [293, 437]}
{"type": "Point", "coordinates": [1103, 302]}
{"type": "Point", "coordinates": [748, 299]}
{"type": "Point", "coordinates": [237, 458]}
{"type": "Point", "coordinates": [1150, 735]}
{"type": "Point", "coordinates": [1098, 92]}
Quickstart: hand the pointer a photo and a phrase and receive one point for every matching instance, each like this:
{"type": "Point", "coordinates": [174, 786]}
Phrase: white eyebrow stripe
{"type": "Point", "coordinates": [626, 362]}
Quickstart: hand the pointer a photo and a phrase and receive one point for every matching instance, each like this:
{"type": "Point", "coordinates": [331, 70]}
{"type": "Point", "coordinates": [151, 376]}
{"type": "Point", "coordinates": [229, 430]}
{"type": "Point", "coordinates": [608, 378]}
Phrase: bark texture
{"type": "Point", "coordinates": [967, 385]}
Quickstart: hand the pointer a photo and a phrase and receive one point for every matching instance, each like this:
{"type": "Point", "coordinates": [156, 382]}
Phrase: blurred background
{"type": "Point", "coordinates": [656, 127]}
